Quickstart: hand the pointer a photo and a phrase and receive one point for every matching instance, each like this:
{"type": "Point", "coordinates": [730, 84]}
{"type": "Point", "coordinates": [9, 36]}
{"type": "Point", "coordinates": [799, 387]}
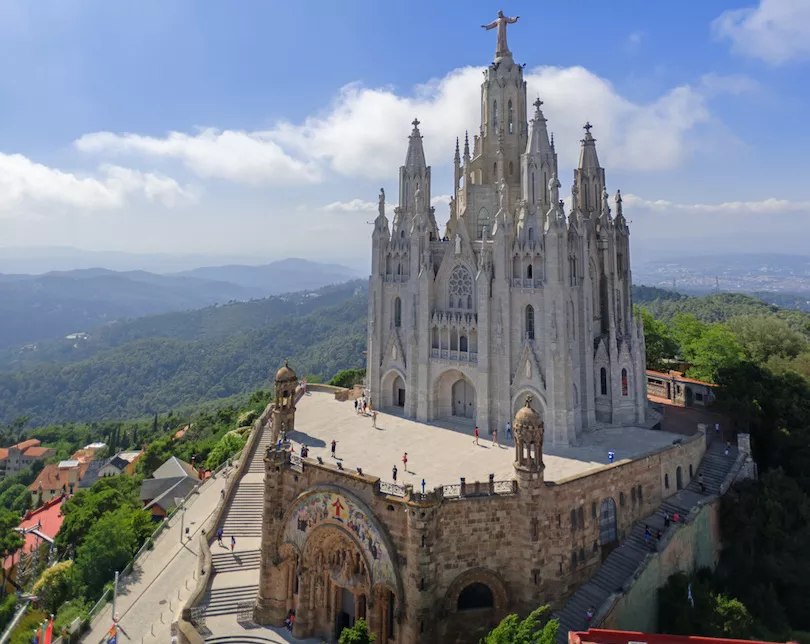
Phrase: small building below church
{"type": "Point", "coordinates": [676, 389]}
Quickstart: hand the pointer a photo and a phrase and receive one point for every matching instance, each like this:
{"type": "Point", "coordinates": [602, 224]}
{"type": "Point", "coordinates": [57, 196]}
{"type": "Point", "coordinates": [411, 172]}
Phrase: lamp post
{"type": "Point", "coordinates": [178, 502]}
{"type": "Point", "coordinates": [115, 597]}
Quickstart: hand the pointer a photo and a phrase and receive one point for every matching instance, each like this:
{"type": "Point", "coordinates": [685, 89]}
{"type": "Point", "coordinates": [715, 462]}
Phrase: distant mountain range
{"type": "Point", "coordinates": [60, 303]}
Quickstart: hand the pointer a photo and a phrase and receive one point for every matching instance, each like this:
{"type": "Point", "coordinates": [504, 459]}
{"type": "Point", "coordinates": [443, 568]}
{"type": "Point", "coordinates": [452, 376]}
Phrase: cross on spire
{"type": "Point", "coordinates": [587, 127]}
{"type": "Point", "coordinates": [415, 123]}
{"type": "Point", "coordinates": [538, 103]}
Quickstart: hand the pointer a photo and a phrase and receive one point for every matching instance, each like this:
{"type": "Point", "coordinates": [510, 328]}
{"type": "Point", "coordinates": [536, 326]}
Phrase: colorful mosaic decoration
{"type": "Point", "coordinates": [331, 507]}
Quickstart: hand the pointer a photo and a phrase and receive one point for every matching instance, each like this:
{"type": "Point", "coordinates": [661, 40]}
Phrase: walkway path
{"type": "Point", "coordinates": [149, 597]}
{"type": "Point", "coordinates": [621, 564]}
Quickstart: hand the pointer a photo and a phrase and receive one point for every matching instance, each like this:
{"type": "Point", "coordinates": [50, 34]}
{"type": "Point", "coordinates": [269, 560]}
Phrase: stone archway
{"type": "Point", "coordinates": [454, 396]}
{"type": "Point", "coordinates": [393, 390]}
{"type": "Point", "coordinates": [519, 399]}
{"type": "Point", "coordinates": [344, 555]}
{"type": "Point", "coordinates": [474, 603]}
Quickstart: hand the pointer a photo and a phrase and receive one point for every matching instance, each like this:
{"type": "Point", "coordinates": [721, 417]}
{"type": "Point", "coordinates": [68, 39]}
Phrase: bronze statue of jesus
{"type": "Point", "coordinates": [500, 22]}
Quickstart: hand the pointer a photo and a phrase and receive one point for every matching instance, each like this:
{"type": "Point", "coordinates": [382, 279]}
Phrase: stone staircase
{"type": "Point", "coordinates": [226, 601]}
{"type": "Point", "coordinates": [223, 562]}
{"type": "Point", "coordinates": [244, 514]}
{"type": "Point", "coordinates": [622, 563]}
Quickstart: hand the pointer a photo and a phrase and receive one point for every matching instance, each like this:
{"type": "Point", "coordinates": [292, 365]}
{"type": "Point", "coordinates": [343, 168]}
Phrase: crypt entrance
{"type": "Point", "coordinates": [336, 567]}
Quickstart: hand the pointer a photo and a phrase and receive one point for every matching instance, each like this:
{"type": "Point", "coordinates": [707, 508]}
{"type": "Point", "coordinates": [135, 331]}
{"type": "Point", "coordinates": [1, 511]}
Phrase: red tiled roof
{"type": "Point", "coordinates": [38, 452]}
{"type": "Point", "coordinates": [49, 517]}
{"type": "Point", "coordinates": [84, 455]}
{"type": "Point", "coordinates": [602, 636]}
{"type": "Point", "coordinates": [31, 442]}
{"type": "Point", "coordinates": [52, 477]}
{"type": "Point", "coordinates": [3, 453]}
{"type": "Point", "coordinates": [677, 375]}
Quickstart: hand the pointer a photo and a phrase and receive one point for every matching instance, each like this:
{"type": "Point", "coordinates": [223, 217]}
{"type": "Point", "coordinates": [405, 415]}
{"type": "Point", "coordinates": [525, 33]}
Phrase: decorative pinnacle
{"type": "Point", "coordinates": [538, 103]}
{"type": "Point", "coordinates": [415, 123]}
{"type": "Point", "coordinates": [587, 127]}
{"type": "Point", "coordinates": [457, 152]}
{"type": "Point", "coordinates": [528, 401]}
{"type": "Point", "coordinates": [466, 144]}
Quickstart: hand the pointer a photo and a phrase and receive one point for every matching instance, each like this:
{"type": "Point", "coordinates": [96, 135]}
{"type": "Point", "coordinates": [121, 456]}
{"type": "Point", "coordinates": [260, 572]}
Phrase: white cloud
{"type": "Point", "coordinates": [766, 206]}
{"type": "Point", "coordinates": [355, 205]}
{"type": "Point", "coordinates": [440, 200]}
{"type": "Point", "coordinates": [27, 184]}
{"type": "Point", "coordinates": [733, 84]}
{"type": "Point", "coordinates": [247, 157]}
{"type": "Point", "coordinates": [776, 31]}
{"type": "Point", "coordinates": [364, 131]}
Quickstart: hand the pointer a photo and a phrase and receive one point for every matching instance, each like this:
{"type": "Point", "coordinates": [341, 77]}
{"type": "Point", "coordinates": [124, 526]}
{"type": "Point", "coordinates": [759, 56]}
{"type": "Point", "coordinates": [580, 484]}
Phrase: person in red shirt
{"type": "Point", "coordinates": [405, 461]}
{"type": "Point", "coordinates": [476, 435]}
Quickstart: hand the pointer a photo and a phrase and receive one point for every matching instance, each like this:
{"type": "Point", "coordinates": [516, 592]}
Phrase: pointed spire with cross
{"type": "Point", "coordinates": [587, 127]}
{"type": "Point", "coordinates": [538, 103]}
{"type": "Point", "coordinates": [415, 124]}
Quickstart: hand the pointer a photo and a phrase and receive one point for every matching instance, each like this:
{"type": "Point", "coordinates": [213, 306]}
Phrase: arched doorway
{"type": "Point", "coordinates": [679, 478]}
{"type": "Point", "coordinates": [398, 392]}
{"type": "Point", "coordinates": [474, 596]}
{"type": "Point", "coordinates": [463, 399]}
{"type": "Point", "coordinates": [607, 522]}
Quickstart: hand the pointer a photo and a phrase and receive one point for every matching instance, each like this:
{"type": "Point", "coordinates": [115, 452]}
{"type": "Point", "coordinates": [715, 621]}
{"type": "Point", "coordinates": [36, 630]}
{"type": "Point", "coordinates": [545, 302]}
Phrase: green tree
{"type": "Point", "coordinates": [110, 545]}
{"type": "Point", "coordinates": [348, 378]}
{"type": "Point", "coordinates": [357, 634]}
{"type": "Point", "coordinates": [731, 618]}
{"type": "Point", "coordinates": [537, 628]}
{"type": "Point", "coordinates": [57, 585]}
{"type": "Point", "coordinates": [766, 336]}
{"type": "Point", "coordinates": [658, 341]}
{"type": "Point", "coordinates": [10, 540]}
{"type": "Point", "coordinates": [224, 449]}
{"type": "Point", "coordinates": [716, 349]}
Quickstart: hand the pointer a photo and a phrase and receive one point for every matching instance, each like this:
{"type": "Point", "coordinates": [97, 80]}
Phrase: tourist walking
{"type": "Point", "coordinates": [647, 535]}
{"type": "Point", "coordinates": [423, 486]}
{"type": "Point", "coordinates": [495, 437]}
{"type": "Point", "coordinates": [355, 405]}
{"type": "Point", "coordinates": [728, 447]}
{"type": "Point", "coordinates": [365, 407]}
{"type": "Point", "coordinates": [700, 483]}
{"type": "Point", "coordinates": [508, 429]}
{"type": "Point", "coordinates": [334, 447]}
{"type": "Point", "coordinates": [220, 532]}
{"type": "Point", "coordinates": [405, 461]}
{"type": "Point", "coordinates": [476, 435]}
{"type": "Point", "coordinates": [233, 542]}
{"type": "Point", "coordinates": [666, 518]}
{"type": "Point", "coordinates": [394, 473]}
{"type": "Point", "coordinates": [374, 419]}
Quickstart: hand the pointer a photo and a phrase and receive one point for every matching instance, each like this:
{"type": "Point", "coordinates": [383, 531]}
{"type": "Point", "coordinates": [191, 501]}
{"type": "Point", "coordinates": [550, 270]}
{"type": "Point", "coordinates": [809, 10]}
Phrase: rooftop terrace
{"type": "Point", "coordinates": [444, 451]}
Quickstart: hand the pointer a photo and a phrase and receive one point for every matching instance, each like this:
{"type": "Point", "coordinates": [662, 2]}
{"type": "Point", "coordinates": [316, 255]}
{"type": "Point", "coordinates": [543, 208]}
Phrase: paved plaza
{"type": "Point", "coordinates": [444, 451]}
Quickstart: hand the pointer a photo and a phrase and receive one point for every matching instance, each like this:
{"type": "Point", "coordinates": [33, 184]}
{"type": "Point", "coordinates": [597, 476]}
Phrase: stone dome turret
{"type": "Point", "coordinates": [527, 416]}
{"type": "Point", "coordinates": [286, 374]}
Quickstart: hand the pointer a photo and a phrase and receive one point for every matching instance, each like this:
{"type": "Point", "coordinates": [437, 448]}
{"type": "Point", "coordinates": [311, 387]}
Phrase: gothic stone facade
{"type": "Point", "coordinates": [517, 296]}
{"type": "Point", "coordinates": [448, 565]}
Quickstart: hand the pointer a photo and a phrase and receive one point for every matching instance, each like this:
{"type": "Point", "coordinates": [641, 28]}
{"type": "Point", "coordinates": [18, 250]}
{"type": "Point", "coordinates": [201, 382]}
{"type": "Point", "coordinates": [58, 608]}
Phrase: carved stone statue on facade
{"type": "Point", "coordinates": [417, 199]}
{"type": "Point", "coordinates": [503, 195]}
{"type": "Point", "coordinates": [554, 190]}
{"type": "Point", "coordinates": [382, 202]}
{"type": "Point", "coordinates": [500, 24]}
{"type": "Point", "coordinates": [458, 244]}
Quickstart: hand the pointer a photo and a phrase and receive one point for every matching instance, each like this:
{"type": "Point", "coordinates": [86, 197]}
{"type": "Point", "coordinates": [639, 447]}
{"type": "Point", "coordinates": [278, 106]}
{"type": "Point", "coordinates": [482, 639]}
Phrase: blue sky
{"type": "Point", "coordinates": [266, 129]}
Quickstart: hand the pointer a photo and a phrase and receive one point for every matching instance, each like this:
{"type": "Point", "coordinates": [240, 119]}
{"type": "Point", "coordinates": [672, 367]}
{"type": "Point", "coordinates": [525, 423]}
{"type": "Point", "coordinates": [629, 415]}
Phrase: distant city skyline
{"type": "Point", "coordinates": [265, 130]}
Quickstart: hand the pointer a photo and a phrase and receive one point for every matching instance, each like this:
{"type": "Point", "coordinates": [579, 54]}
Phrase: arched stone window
{"type": "Point", "coordinates": [625, 388]}
{"type": "Point", "coordinates": [531, 234]}
{"type": "Point", "coordinates": [679, 478]}
{"type": "Point", "coordinates": [533, 196]}
{"type": "Point", "coordinates": [666, 481]}
{"type": "Point", "coordinates": [607, 522]}
{"type": "Point", "coordinates": [621, 499]}
{"type": "Point", "coordinates": [462, 343]}
{"type": "Point", "coordinates": [530, 322]}
{"type": "Point", "coordinates": [691, 474]}
{"type": "Point", "coordinates": [573, 519]}
{"type": "Point", "coordinates": [529, 272]}
{"type": "Point", "coordinates": [640, 493]}
{"type": "Point", "coordinates": [474, 596]}
{"type": "Point", "coordinates": [494, 117]}
{"type": "Point", "coordinates": [495, 168]}
{"type": "Point", "coordinates": [511, 169]}
{"type": "Point", "coordinates": [511, 124]}
{"type": "Point", "coordinates": [581, 516]}
{"type": "Point", "coordinates": [603, 381]}
{"type": "Point", "coordinates": [460, 288]}
{"type": "Point", "coordinates": [397, 312]}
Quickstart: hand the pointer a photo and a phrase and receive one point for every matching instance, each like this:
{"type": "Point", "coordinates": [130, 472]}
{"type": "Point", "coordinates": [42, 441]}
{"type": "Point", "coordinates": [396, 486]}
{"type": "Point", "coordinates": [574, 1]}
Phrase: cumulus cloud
{"type": "Point", "coordinates": [355, 205]}
{"type": "Point", "coordinates": [363, 133]}
{"type": "Point", "coordinates": [25, 183]}
{"type": "Point", "coordinates": [766, 206]}
{"type": "Point", "coordinates": [248, 157]}
{"type": "Point", "coordinates": [776, 31]}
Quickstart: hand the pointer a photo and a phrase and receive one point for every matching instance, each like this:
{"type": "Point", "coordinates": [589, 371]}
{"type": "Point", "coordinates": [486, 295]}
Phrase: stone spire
{"type": "Point", "coordinates": [415, 157]}
{"type": "Point", "coordinates": [588, 159]}
{"type": "Point", "coordinates": [466, 147]}
{"type": "Point", "coordinates": [619, 219]}
{"type": "Point", "coordinates": [538, 142]}
{"type": "Point", "coordinates": [415, 174]}
{"type": "Point", "coordinates": [589, 177]}
{"type": "Point", "coordinates": [457, 166]}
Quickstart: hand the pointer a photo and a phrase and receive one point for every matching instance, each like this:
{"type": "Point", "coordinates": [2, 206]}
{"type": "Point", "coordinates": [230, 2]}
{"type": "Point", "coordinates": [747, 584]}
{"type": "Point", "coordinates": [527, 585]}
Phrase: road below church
{"type": "Point", "coordinates": [148, 598]}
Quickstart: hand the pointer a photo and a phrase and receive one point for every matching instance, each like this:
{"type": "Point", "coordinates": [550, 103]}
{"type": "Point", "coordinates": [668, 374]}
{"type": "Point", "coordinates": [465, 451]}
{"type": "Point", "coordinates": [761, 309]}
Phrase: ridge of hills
{"type": "Point", "coordinates": [58, 303]}
{"type": "Point", "coordinates": [153, 364]}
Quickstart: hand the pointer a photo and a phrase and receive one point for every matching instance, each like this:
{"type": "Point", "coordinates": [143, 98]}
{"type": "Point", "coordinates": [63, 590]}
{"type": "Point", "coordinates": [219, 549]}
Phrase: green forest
{"type": "Point", "coordinates": [760, 357]}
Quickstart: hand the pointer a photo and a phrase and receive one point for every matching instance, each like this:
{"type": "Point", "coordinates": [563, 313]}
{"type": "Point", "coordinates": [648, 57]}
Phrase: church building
{"type": "Point", "coordinates": [518, 294]}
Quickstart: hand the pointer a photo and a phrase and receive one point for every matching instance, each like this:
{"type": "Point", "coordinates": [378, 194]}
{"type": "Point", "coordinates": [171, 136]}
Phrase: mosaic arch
{"type": "Point", "coordinates": [330, 505]}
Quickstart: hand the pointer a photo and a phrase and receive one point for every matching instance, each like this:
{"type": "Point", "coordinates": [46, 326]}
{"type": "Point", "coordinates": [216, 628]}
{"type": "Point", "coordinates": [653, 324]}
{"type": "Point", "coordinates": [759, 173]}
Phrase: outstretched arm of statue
{"type": "Point", "coordinates": [491, 25]}
{"type": "Point", "coordinates": [511, 21]}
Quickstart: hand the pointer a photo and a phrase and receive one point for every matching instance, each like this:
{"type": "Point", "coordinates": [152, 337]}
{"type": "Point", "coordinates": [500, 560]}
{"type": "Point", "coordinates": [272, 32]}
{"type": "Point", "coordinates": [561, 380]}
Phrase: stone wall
{"type": "Point", "coordinates": [531, 543]}
{"type": "Point", "coordinates": [695, 544]}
